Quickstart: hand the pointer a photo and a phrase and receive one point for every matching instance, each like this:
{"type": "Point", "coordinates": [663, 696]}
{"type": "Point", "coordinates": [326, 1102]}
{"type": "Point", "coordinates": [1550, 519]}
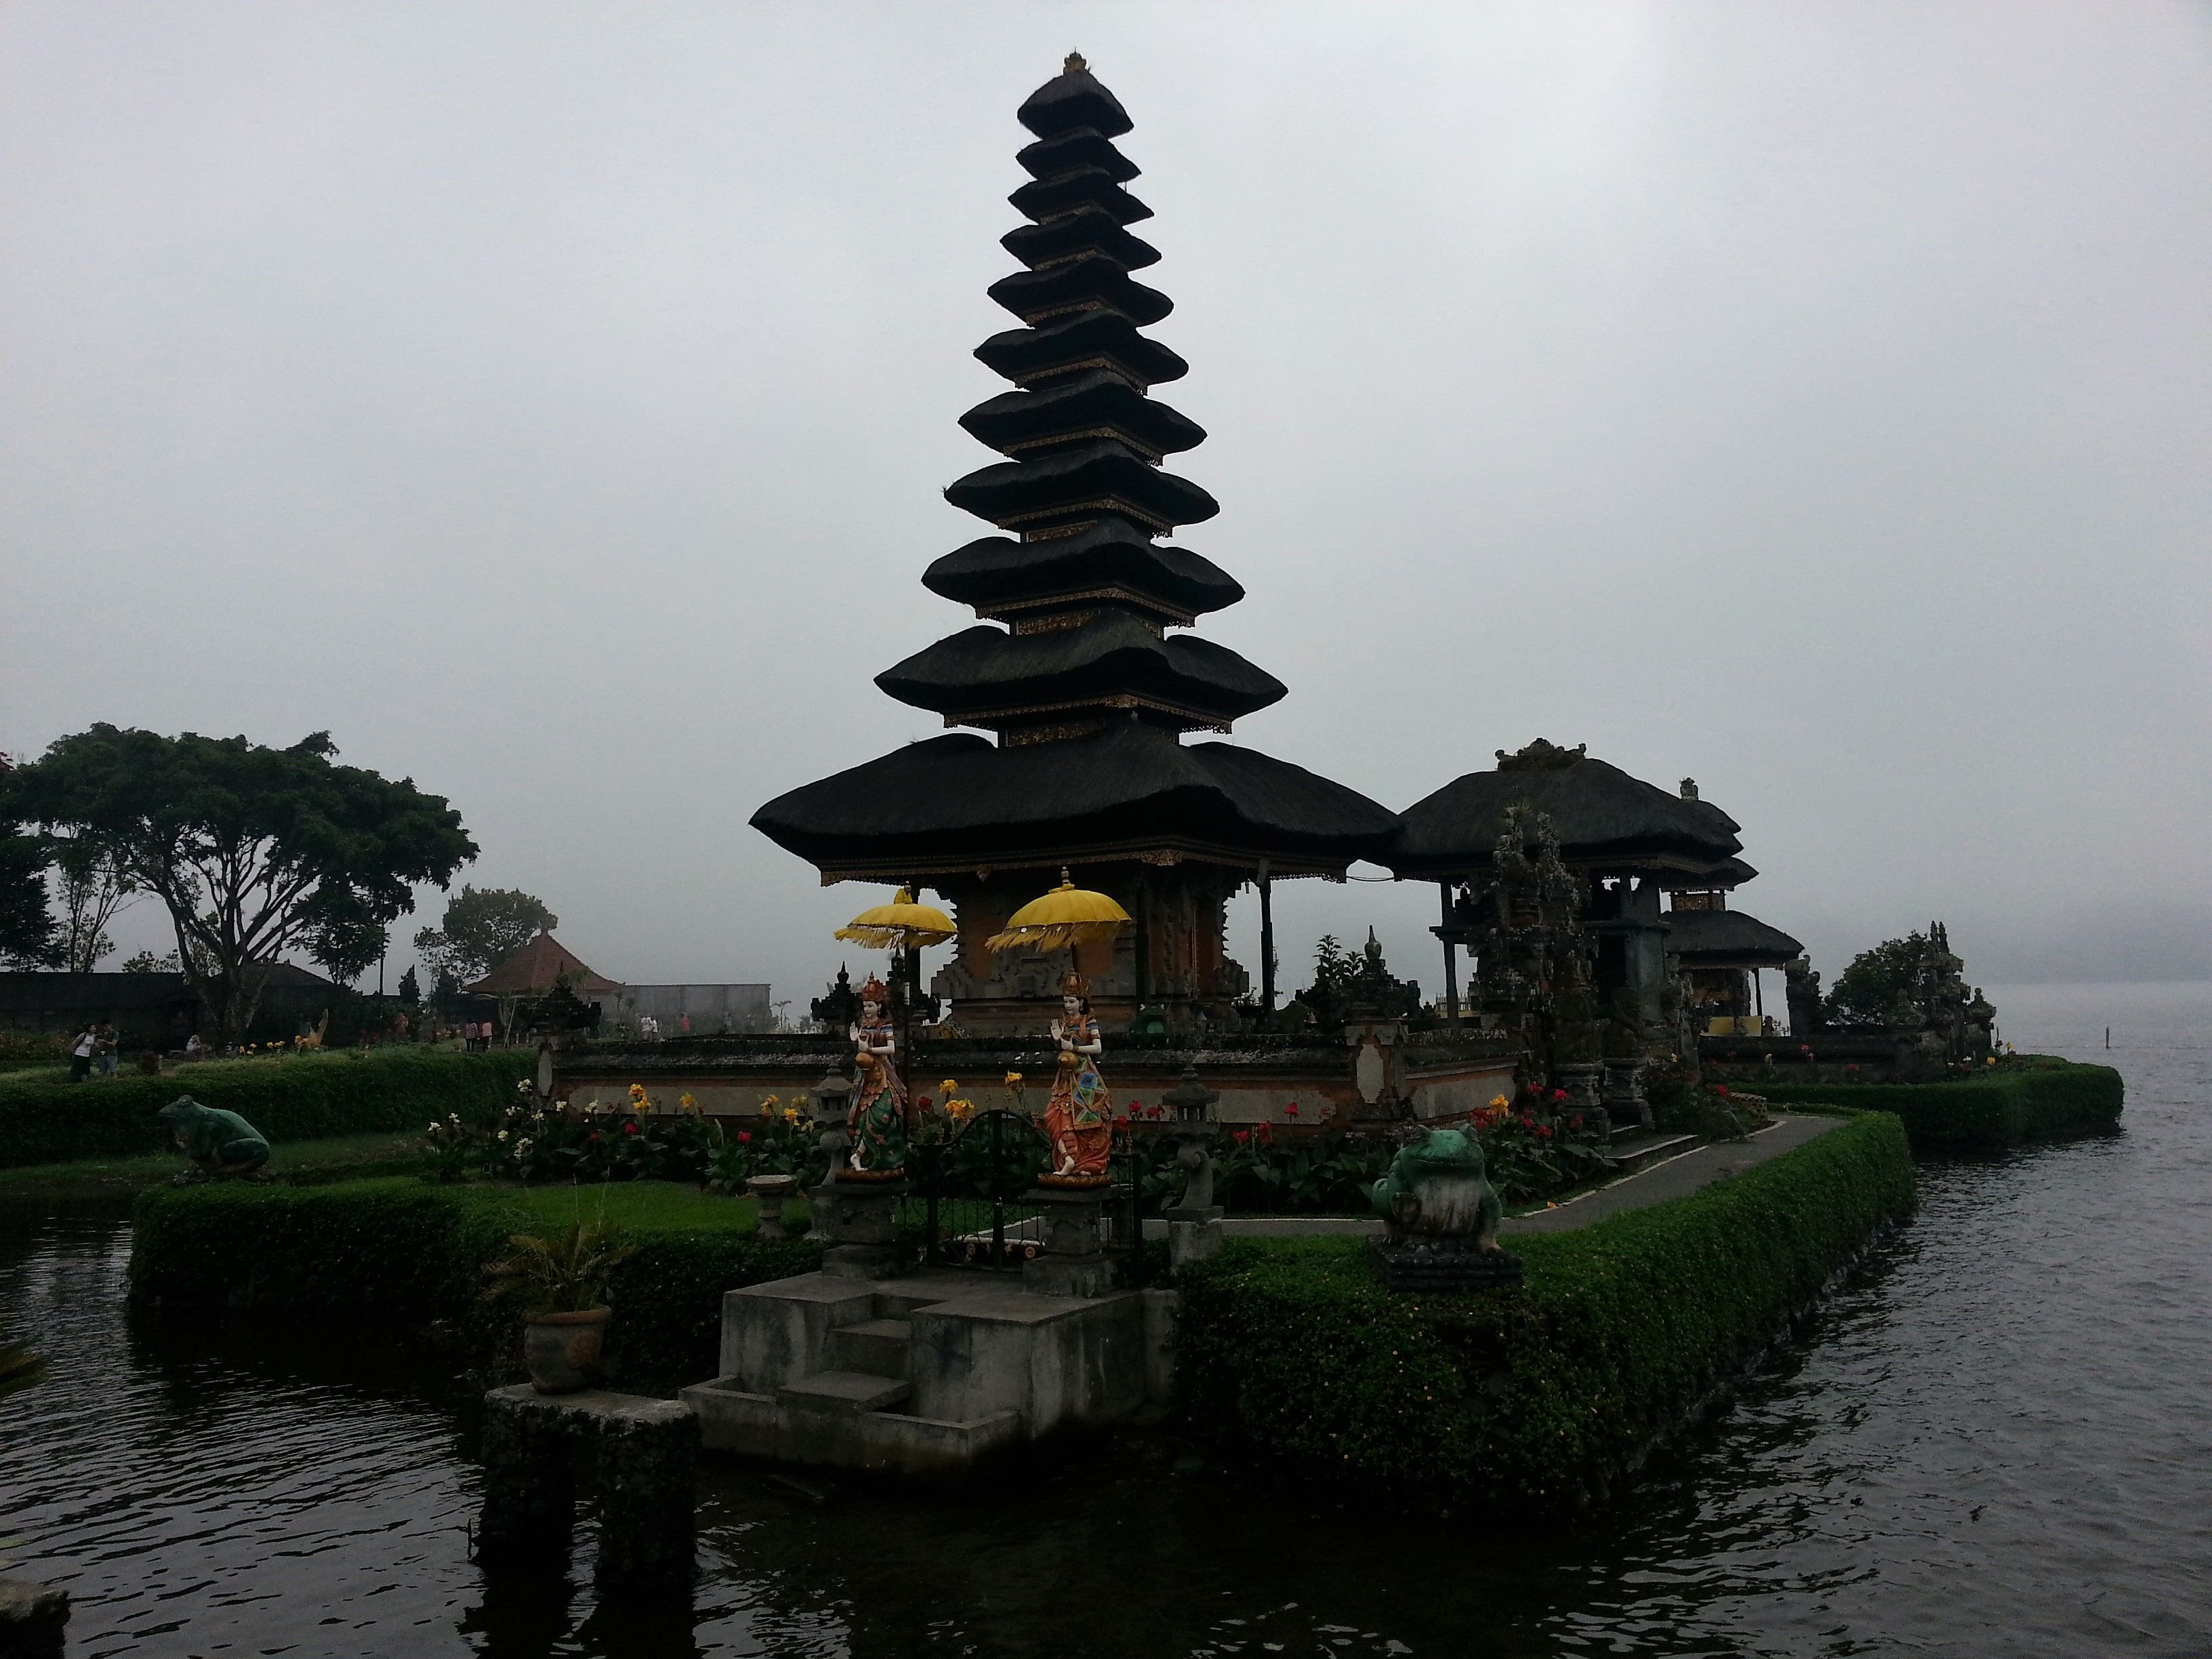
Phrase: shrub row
{"type": "Point", "coordinates": [2032, 1098]}
{"type": "Point", "coordinates": [297, 1098]}
{"type": "Point", "coordinates": [1543, 1396]}
{"type": "Point", "coordinates": [401, 1252]}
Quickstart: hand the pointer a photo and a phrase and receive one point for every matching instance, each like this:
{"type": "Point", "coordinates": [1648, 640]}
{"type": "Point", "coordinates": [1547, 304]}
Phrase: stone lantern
{"type": "Point", "coordinates": [1194, 1223]}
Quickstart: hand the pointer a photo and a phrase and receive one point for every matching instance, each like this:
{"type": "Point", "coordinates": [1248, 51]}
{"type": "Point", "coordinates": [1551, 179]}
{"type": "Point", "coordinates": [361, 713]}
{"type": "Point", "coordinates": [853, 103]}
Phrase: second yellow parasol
{"type": "Point", "coordinates": [1068, 915]}
{"type": "Point", "coordinates": [902, 925]}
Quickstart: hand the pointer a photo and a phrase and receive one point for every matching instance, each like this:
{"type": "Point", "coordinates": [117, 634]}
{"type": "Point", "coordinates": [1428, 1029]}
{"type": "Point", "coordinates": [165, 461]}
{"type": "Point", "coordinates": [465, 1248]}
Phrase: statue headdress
{"type": "Point", "coordinates": [872, 990]}
{"type": "Point", "coordinates": [1075, 985]}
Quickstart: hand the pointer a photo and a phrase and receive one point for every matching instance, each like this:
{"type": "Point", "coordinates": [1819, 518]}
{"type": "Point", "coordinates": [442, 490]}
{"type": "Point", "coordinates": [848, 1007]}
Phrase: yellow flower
{"type": "Point", "coordinates": [768, 1107]}
{"type": "Point", "coordinates": [1500, 1100]}
{"type": "Point", "coordinates": [791, 1114]}
{"type": "Point", "coordinates": [1012, 1077]}
{"type": "Point", "coordinates": [638, 1097]}
{"type": "Point", "coordinates": [687, 1103]}
{"type": "Point", "coordinates": [948, 1086]}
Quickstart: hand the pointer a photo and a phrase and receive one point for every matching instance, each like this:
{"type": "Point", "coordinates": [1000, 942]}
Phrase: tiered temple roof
{"type": "Point", "coordinates": [1072, 665]}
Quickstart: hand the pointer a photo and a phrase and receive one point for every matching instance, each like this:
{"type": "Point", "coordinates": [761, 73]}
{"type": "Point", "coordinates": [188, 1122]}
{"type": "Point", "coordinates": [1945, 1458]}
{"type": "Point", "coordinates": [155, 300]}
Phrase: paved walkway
{"type": "Point", "coordinates": [1675, 1178]}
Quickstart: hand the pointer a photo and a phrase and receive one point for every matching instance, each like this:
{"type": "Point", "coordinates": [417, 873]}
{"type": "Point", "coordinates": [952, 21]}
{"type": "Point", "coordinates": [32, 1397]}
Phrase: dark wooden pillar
{"type": "Point", "coordinates": [1451, 956]}
{"type": "Point", "coordinates": [1267, 942]}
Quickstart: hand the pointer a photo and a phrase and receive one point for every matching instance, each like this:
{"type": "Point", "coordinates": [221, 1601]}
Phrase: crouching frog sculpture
{"type": "Point", "coordinates": [219, 1143]}
{"type": "Point", "coordinates": [1441, 1216]}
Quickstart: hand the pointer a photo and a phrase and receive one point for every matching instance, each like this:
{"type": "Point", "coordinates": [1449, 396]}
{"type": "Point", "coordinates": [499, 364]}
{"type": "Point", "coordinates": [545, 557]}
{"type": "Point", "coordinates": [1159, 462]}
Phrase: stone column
{"type": "Point", "coordinates": [1072, 1263]}
{"type": "Point", "coordinates": [861, 1221]}
{"type": "Point", "coordinates": [528, 1497]}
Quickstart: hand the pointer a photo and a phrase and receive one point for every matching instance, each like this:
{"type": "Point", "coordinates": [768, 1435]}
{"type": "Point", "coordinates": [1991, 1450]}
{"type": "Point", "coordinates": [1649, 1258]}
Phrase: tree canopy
{"type": "Point", "coordinates": [482, 925]}
{"type": "Point", "coordinates": [1880, 988]}
{"type": "Point", "coordinates": [253, 851]}
{"type": "Point", "coordinates": [27, 929]}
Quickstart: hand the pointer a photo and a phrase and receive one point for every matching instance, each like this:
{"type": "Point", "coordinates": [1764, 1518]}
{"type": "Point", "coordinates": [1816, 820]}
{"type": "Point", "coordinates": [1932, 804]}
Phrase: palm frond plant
{"type": "Point", "coordinates": [565, 1273]}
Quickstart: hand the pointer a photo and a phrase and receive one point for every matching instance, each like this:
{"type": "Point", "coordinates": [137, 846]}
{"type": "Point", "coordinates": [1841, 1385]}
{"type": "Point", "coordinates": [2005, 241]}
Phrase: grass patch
{"type": "Point", "coordinates": [402, 1252]}
{"type": "Point", "coordinates": [1288, 1350]}
{"type": "Point", "coordinates": [339, 1158]}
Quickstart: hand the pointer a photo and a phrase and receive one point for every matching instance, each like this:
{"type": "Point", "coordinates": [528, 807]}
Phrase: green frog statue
{"type": "Point", "coordinates": [1441, 1216]}
{"type": "Point", "coordinates": [219, 1143]}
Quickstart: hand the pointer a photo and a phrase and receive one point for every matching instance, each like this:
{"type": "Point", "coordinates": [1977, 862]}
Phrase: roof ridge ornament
{"type": "Point", "coordinates": [1542, 754]}
{"type": "Point", "coordinates": [1074, 65]}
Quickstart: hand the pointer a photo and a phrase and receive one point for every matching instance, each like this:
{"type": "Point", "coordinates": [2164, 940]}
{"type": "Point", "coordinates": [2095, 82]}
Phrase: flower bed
{"type": "Point", "coordinates": [401, 1251]}
{"type": "Point", "coordinates": [1289, 1351]}
{"type": "Point", "coordinates": [295, 1098]}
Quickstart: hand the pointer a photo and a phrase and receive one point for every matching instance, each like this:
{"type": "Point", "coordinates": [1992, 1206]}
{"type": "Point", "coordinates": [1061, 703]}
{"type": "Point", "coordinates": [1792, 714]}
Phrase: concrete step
{"type": "Point", "coordinates": [844, 1393]}
{"type": "Point", "coordinates": [875, 1345]}
{"type": "Point", "coordinates": [1639, 1152]}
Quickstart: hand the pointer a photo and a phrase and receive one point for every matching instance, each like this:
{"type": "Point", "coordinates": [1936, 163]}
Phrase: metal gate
{"type": "Point", "coordinates": [971, 1188]}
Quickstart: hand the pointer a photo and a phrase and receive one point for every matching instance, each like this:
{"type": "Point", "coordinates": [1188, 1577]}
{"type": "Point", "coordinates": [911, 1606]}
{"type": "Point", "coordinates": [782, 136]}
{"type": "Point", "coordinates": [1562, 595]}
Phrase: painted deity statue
{"type": "Point", "coordinates": [876, 1121]}
{"type": "Point", "coordinates": [1078, 1117]}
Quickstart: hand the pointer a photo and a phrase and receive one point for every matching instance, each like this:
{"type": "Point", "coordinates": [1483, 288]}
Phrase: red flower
{"type": "Point", "coordinates": [630, 1128]}
{"type": "Point", "coordinates": [1267, 1133]}
{"type": "Point", "coordinates": [1721, 1088]}
{"type": "Point", "coordinates": [1241, 1136]}
{"type": "Point", "coordinates": [1574, 1122]}
{"type": "Point", "coordinates": [595, 1135]}
{"type": "Point", "coordinates": [744, 1136]}
{"type": "Point", "coordinates": [1545, 1130]}
{"type": "Point", "coordinates": [1558, 1094]}
{"type": "Point", "coordinates": [1291, 1110]}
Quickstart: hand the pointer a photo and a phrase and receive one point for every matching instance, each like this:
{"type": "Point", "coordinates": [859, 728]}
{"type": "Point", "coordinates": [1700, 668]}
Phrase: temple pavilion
{"type": "Point", "coordinates": [1721, 952]}
{"type": "Point", "coordinates": [1080, 686]}
{"type": "Point", "coordinates": [1627, 841]}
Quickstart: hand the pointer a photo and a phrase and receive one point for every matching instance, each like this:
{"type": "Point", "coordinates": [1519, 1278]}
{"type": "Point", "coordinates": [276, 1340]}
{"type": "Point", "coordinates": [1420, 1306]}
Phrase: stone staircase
{"type": "Point", "coordinates": [1634, 1148]}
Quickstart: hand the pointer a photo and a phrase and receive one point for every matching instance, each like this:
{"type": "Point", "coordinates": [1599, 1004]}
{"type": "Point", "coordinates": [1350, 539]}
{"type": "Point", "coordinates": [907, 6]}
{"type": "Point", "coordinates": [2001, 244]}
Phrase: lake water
{"type": "Point", "coordinates": [1996, 1441]}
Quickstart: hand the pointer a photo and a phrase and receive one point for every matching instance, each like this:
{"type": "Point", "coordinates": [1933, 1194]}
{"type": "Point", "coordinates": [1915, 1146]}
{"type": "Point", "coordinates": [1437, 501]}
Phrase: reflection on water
{"type": "Point", "coordinates": [1998, 1441]}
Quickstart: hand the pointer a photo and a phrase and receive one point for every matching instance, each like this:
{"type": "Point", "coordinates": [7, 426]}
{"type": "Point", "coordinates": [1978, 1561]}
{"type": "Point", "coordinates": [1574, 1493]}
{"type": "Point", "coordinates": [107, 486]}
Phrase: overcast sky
{"type": "Point", "coordinates": [553, 403]}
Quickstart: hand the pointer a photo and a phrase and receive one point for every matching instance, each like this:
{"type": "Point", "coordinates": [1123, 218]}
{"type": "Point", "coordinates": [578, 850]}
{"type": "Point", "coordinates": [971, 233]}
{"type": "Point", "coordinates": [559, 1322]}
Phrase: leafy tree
{"type": "Point", "coordinates": [28, 932]}
{"type": "Point", "coordinates": [1879, 989]}
{"type": "Point", "coordinates": [94, 888]}
{"type": "Point", "coordinates": [410, 988]}
{"type": "Point", "coordinates": [251, 849]}
{"type": "Point", "coordinates": [482, 925]}
{"type": "Point", "coordinates": [344, 938]}
{"type": "Point", "coordinates": [146, 963]}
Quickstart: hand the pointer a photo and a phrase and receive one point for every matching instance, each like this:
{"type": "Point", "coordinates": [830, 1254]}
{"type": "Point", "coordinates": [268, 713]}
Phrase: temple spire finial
{"type": "Point", "coordinates": [1074, 65]}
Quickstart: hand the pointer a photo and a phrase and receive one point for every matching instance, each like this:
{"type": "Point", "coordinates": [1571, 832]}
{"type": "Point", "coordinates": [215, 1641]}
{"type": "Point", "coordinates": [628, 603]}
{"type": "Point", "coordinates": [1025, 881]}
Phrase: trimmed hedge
{"type": "Point", "coordinates": [402, 1252]}
{"type": "Point", "coordinates": [1289, 1350]}
{"type": "Point", "coordinates": [2033, 1098]}
{"type": "Point", "coordinates": [296, 1097]}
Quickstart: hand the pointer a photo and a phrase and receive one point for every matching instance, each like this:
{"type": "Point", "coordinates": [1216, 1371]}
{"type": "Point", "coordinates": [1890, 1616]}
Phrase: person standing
{"type": "Point", "coordinates": [110, 1044]}
{"type": "Point", "coordinates": [81, 1054]}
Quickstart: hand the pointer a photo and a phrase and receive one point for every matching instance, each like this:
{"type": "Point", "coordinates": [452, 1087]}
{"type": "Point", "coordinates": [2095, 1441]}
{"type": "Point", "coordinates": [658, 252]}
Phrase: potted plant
{"type": "Point", "coordinates": [562, 1283]}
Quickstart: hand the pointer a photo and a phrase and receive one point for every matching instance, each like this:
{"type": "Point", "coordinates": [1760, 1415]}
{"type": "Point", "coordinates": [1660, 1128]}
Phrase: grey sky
{"type": "Point", "coordinates": [553, 402]}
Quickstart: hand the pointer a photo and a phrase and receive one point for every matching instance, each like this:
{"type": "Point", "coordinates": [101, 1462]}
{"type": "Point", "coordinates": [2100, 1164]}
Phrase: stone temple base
{"type": "Point", "coordinates": [1442, 1265]}
{"type": "Point", "coordinates": [928, 1374]}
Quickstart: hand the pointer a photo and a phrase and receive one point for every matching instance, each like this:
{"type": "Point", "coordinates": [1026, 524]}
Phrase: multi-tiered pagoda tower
{"type": "Point", "coordinates": [1072, 665]}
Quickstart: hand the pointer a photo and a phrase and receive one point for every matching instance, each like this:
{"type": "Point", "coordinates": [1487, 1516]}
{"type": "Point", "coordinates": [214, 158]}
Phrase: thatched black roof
{"type": "Point", "coordinates": [985, 670]}
{"type": "Point", "coordinates": [1087, 187]}
{"type": "Point", "coordinates": [1080, 342]}
{"type": "Point", "coordinates": [1071, 102]}
{"type": "Point", "coordinates": [1081, 147]}
{"type": "Point", "coordinates": [1083, 480]}
{"type": "Point", "coordinates": [1728, 872]}
{"type": "Point", "coordinates": [1079, 406]}
{"type": "Point", "coordinates": [1087, 279]}
{"type": "Point", "coordinates": [960, 802]}
{"type": "Point", "coordinates": [1604, 818]}
{"type": "Point", "coordinates": [1727, 939]}
{"type": "Point", "coordinates": [1087, 228]}
{"type": "Point", "coordinates": [995, 574]}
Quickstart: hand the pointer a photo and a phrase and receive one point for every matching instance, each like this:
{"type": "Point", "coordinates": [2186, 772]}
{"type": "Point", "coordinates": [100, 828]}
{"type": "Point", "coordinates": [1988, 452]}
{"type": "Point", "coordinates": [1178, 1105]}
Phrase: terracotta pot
{"type": "Point", "coordinates": [562, 1350]}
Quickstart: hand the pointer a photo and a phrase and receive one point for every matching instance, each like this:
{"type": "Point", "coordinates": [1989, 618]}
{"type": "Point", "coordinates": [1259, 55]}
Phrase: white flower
{"type": "Point", "coordinates": [434, 1128]}
{"type": "Point", "coordinates": [502, 1134]}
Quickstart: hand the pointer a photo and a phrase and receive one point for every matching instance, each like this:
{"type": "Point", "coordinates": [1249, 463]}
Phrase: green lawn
{"type": "Point", "coordinates": [342, 1157]}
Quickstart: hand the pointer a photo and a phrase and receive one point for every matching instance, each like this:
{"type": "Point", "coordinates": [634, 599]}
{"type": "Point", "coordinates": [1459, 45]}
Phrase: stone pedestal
{"type": "Point", "coordinates": [1580, 1080]}
{"type": "Point", "coordinates": [1416, 1263]}
{"type": "Point", "coordinates": [770, 1192]}
{"type": "Point", "coordinates": [1625, 1105]}
{"type": "Point", "coordinates": [1193, 1234]}
{"type": "Point", "coordinates": [645, 1454]}
{"type": "Point", "coordinates": [861, 1221]}
{"type": "Point", "coordinates": [1072, 1263]}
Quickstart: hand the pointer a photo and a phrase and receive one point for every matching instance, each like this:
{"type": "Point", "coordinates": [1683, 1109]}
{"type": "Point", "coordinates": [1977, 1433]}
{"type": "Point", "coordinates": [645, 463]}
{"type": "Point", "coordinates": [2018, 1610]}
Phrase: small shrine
{"type": "Point", "coordinates": [1080, 667]}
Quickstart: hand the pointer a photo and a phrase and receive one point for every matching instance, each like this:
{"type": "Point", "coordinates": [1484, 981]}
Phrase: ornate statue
{"type": "Point", "coordinates": [1078, 1116]}
{"type": "Point", "coordinates": [875, 1122]}
{"type": "Point", "coordinates": [219, 1143]}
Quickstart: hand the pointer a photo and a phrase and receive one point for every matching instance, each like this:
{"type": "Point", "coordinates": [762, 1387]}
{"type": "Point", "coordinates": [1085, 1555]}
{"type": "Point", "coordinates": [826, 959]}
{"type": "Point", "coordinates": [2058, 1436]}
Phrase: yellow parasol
{"type": "Point", "coordinates": [1067, 915]}
{"type": "Point", "coordinates": [902, 925]}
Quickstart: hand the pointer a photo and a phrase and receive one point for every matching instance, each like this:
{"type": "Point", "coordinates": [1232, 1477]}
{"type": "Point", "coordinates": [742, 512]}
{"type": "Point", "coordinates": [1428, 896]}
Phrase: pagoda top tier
{"type": "Point", "coordinates": [1073, 665]}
